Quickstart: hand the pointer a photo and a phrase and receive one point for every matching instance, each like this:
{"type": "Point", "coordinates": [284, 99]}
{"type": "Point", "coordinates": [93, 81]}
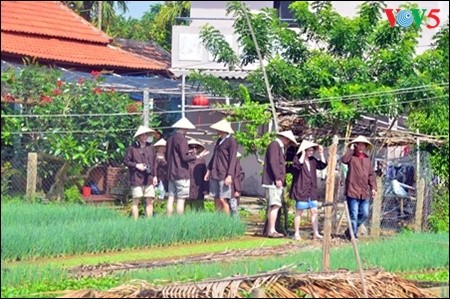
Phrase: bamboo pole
{"type": "Point", "coordinates": [263, 68]}
{"type": "Point", "coordinates": [355, 250]}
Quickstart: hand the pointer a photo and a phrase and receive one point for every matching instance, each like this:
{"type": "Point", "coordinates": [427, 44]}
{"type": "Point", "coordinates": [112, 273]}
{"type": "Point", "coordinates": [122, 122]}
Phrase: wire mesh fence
{"type": "Point", "coordinates": [405, 187]}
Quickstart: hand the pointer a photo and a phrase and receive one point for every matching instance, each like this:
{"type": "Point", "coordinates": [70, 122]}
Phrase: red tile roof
{"type": "Point", "coordinates": [50, 18]}
{"type": "Point", "coordinates": [73, 52]}
{"type": "Point", "coordinates": [50, 31]}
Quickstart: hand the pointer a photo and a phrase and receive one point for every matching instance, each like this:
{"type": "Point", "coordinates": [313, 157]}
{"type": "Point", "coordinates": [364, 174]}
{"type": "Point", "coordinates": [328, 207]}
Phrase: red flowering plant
{"type": "Point", "coordinates": [79, 121]}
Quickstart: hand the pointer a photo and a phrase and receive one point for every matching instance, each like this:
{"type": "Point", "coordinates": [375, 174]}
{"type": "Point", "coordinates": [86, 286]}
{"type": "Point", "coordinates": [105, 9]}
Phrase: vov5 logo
{"type": "Point", "coordinates": [405, 18]}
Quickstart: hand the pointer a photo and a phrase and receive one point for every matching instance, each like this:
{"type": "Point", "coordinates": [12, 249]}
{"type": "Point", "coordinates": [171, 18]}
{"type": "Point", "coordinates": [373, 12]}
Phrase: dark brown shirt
{"type": "Point", "coordinates": [161, 171]}
{"type": "Point", "coordinates": [274, 164]}
{"type": "Point", "coordinates": [223, 161]}
{"type": "Point", "coordinates": [304, 180]}
{"type": "Point", "coordinates": [178, 157]}
{"type": "Point", "coordinates": [238, 177]}
{"type": "Point", "coordinates": [360, 176]}
{"type": "Point", "coordinates": [198, 185]}
{"type": "Point", "coordinates": [135, 155]}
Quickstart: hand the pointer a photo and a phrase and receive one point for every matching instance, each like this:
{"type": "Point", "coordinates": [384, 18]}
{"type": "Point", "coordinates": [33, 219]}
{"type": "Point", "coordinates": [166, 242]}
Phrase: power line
{"type": "Point", "coordinates": [108, 131]}
{"type": "Point", "coordinates": [364, 95]}
{"type": "Point", "coordinates": [361, 109]}
{"type": "Point", "coordinates": [317, 100]}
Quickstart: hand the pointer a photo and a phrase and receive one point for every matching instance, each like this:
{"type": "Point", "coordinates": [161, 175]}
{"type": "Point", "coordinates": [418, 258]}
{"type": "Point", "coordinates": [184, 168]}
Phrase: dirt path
{"type": "Point", "coordinates": [104, 269]}
{"type": "Point", "coordinates": [228, 256]}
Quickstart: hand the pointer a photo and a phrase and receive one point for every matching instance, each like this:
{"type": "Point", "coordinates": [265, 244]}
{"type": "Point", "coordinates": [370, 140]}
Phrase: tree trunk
{"type": "Point", "coordinates": [57, 189]}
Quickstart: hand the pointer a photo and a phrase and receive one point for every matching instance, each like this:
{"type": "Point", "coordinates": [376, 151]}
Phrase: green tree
{"type": "Point", "coordinates": [432, 117]}
{"type": "Point", "coordinates": [335, 68]}
{"type": "Point", "coordinates": [136, 29]}
{"type": "Point", "coordinates": [80, 122]}
{"type": "Point", "coordinates": [89, 11]}
{"type": "Point", "coordinates": [161, 30]}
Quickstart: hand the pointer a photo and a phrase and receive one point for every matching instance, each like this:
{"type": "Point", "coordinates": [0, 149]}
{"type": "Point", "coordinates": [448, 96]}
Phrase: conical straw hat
{"type": "Point", "coordinates": [143, 130]}
{"type": "Point", "coordinates": [362, 139]}
{"type": "Point", "coordinates": [222, 126]}
{"type": "Point", "coordinates": [305, 145]}
{"type": "Point", "coordinates": [195, 142]}
{"type": "Point", "coordinates": [183, 123]}
{"type": "Point", "coordinates": [289, 135]}
{"type": "Point", "coordinates": [238, 155]}
{"type": "Point", "coordinates": [160, 142]}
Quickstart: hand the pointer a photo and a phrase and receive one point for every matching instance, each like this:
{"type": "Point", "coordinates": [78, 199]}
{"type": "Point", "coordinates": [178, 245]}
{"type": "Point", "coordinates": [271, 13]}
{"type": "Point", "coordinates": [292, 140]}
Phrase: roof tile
{"type": "Point", "coordinates": [74, 52]}
{"type": "Point", "coordinates": [50, 18]}
{"type": "Point", "coordinates": [50, 31]}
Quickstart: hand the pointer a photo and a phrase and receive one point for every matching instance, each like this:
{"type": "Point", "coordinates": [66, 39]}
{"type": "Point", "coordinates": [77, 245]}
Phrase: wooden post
{"type": "Point", "coordinates": [419, 204]}
{"type": "Point", "coordinates": [183, 94]}
{"type": "Point", "coordinates": [100, 13]}
{"type": "Point", "coordinates": [376, 209]}
{"type": "Point", "coordinates": [420, 190]}
{"type": "Point", "coordinates": [31, 174]}
{"type": "Point", "coordinates": [146, 106]}
{"type": "Point", "coordinates": [329, 198]}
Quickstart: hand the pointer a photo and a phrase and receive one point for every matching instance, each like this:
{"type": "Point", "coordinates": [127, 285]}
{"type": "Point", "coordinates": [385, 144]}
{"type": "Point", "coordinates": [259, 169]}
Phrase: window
{"type": "Point", "coordinates": [283, 11]}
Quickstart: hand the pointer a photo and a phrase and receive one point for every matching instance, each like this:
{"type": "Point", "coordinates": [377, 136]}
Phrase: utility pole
{"type": "Point", "coordinates": [100, 8]}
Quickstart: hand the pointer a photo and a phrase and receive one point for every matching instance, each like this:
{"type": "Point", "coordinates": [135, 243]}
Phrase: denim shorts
{"type": "Point", "coordinates": [305, 205]}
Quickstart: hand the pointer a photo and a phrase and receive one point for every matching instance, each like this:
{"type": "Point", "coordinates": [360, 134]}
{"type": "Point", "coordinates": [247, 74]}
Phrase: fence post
{"type": "Point", "coordinates": [329, 198]}
{"type": "Point", "coordinates": [419, 204]}
{"type": "Point", "coordinates": [376, 209]}
{"type": "Point", "coordinates": [31, 174]}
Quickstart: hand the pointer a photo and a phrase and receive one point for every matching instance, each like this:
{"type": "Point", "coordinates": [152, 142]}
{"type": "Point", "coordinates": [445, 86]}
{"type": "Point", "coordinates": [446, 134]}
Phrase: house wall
{"type": "Point", "coordinates": [216, 9]}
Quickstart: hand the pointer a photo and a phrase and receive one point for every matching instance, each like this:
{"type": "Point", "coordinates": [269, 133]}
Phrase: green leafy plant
{"type": "Point", "coordinates": [73, 195]}
{"type": "Point", "coordinates": [7, 172]}
{"type": "Point", "coordinates": [439, 218]}
{"type": "Point", "coordinates": [80, 122]}
{"type": "Point", "coordinates": [75, 120]}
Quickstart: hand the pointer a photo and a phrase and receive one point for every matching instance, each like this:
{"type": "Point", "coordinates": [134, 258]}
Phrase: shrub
{"type": "Point", "coordinates": [438, 220]}
{"type": "Point", "coordinates": [73, 195]}
{"type": "Point", "coordinates": [7, 172]}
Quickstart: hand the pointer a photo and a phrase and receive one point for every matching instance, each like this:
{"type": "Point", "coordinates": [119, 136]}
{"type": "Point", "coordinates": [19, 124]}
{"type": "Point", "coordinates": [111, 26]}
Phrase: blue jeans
{"type": "Point", "coordinates": [359, 211]}
{"type": "Point", "coordinates": [305, 205]}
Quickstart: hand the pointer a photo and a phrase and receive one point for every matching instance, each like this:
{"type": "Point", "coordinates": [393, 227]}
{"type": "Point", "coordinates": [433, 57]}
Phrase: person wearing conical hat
{"type": "Point", "coordinates": [239, 176]}
{"type": "Point", "coordinates": [161, 167]}
{"type": "Point", "coordinates": [304, 184]}
{"type": "Point", "coordinates": [140, 160]}
{"type": "Point", "coordinates": [273, 179]}
{"type": "Point", "coordinates": [178, 157]}
{"type": "Point", "coordinates": [198, 186]}
{"type": "Point", "coordinates": [221, 167]}
{"type": "Point", "coordinates": [360, 183]}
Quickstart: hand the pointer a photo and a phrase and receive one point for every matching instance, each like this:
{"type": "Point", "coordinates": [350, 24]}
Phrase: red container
{"type": "Point", "coordinates": [86, 191]}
